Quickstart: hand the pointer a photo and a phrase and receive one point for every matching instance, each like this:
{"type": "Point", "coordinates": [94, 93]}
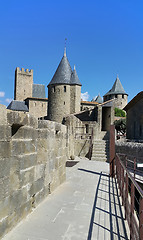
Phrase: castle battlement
{"type": "Point", "coordinates": [24, 71]}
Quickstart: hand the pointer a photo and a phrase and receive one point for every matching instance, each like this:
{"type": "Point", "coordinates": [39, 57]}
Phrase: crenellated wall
{"type": "Point", "coordinates": [32, 164]}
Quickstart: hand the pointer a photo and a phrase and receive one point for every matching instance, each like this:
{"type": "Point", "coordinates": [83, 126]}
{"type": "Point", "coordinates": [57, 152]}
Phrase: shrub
{"type": "Point", "coordinates": [119, 113]}
{"type": "Point", "coordinates": [120, 126]}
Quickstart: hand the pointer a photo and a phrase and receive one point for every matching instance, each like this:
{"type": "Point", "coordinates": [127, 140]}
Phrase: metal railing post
{"type": "Point", "coordinates": [134, 167]}
{"type": "Point", "coordinates": [122, 188]}
{"type": "Point", "coordinates": [126, 195]}
{"type": "Point", "coordinates": [132, 207]}
{"type": "Point", "coordinates": [112, 150]}
{"type": "Point", "coordinates": [141, 220]}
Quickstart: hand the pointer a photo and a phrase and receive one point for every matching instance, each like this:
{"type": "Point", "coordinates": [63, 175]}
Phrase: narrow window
{"type": "Point", "coordinates": [122, 95]}
{"type": "Point", "coordinates": [64, 88]}
{"type": "Point", "coordinates": [87, 128]}
{"type": "Point", "coordinates": [35, 104]}
{"type": "Point", "coordinates": [115, 95]}
{"type": "Point", "coordinates": [54, 89]}
{"type": "Point", "coordinates": [64, 103]}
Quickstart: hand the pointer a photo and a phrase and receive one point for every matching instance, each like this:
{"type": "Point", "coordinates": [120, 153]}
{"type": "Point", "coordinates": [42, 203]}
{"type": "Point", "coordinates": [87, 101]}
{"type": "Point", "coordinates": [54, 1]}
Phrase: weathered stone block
{"type": "Point", "coordinates": [4, 227]}
{"type": "Point", "coordinates": [5, 149]}
{"type": "Point", "coordinates": [4, 207]}
{"type": "Point", "coordinates": [4, 187]}
{"type": "Point", "coordinates": [21, 118]}
{"type": "Point", "coordinates": [23, 210]}
{"type": "Point", "coordinates": [23, 146]}
{"type": "Point", "coordinates": [36, 186]}
{"type": "Point", "coordinates": [26, 132]}
{"type": "Point", "coordinates": [14, 181]}
{"type": "Point", "coordinates": [3, 114]}
{"type": "Point", "coordinates": [42, 157]}
{"type": "Point", "coordinates": [57, 162]}
{"type": "Point", "coordinates": [17, 199]}
{"type": "Point", "coordinates": [39, 197]}
{"type": "Point", "coordinates": [43, 133]}
{"type": "Point", "coordinates": [4, 167]}
{"type": "Point", "coordinates": [45, 124]}
{"type": "Point", "coordinates": [5, 132]}
{"type": "Point", "coordinates": [27, 160]}
{"type": "Point", "coordinates": [27, 176]}
{"type": "Point", "coordinates": [62, 178]}
{"type": "Point", "coordinates": [39, 171]}
{"type": "Point", "coordinates": [14, 164]}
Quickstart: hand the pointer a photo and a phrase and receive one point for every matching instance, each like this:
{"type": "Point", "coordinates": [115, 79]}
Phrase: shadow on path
{"type": "Point", "coordinates": [107, 221]}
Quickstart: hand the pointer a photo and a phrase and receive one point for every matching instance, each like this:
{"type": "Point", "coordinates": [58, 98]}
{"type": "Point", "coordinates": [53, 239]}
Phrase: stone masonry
{"type": "Point", "coordinates": [23, 84]}
{"type": "Point", "coordinates": [32, 163]}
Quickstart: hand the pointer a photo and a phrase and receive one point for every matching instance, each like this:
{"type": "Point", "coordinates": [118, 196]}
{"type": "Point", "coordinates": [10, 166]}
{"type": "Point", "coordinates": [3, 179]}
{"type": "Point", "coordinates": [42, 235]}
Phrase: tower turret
{"type": "Point", "coordinates": [75, 91]}
{"type": "Point", "coordinates": [59, 91]}
{"type": "Point", "coordinates": [118, 93]}
{"type": "Point", "coordinates": [64, 91]}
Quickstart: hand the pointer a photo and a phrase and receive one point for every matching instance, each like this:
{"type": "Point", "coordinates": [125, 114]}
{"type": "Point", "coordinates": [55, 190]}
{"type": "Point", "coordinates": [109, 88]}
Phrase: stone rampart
{"type": "Point", "coordinates": [32, 164]}
{"type": "Point", "coordinates": [132, 149]}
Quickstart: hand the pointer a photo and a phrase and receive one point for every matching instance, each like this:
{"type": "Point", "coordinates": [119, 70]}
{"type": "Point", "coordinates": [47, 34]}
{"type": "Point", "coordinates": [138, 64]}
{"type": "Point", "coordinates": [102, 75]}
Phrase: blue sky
{"type": "Point", "coordinates": [104, 38]}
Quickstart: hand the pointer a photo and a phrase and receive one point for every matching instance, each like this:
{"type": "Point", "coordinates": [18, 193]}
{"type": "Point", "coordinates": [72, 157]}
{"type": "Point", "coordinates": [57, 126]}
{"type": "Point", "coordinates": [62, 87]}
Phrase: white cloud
{"type": "Point", "coordinates": [2, 94]}
{"type": "Point", "coordinates": [8, 100]}
{"type": "Point", "coordinates": [85, 96]}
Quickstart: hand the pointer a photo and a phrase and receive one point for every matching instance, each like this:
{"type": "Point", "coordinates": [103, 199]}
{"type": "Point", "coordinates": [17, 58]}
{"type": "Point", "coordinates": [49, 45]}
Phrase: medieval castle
{"type": "Point", "coordinates": [38, 135]}
{"type": "Point", "coordinates": [64, 94]}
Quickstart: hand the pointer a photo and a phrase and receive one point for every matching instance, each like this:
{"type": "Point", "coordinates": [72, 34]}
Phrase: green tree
{"type": "Point", "coordinates": [119, 112]}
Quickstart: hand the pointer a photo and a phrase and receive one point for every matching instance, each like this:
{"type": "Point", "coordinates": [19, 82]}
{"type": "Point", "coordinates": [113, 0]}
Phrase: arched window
{"type": "Point", "coordinates": [64, 88]}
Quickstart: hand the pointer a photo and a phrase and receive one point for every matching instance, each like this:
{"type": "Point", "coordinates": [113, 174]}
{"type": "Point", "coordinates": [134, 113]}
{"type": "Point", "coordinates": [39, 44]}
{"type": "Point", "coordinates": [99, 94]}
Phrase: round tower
{"type": "Point", "coordinates": [64, 92]}
{"type": "Point", "coordinates": [59, 91]}
{"type": "Point", "coordinates": [117, 93]}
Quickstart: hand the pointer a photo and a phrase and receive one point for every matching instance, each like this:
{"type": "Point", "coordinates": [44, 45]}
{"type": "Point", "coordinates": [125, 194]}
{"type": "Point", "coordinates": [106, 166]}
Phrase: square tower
{"type": "Point", "coordinates": [23, 84]}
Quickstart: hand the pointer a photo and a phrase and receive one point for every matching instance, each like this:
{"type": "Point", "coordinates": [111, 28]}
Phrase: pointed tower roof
{"type": "Point", "coordinates": [98, 99]}
{"type": "Point", "coordinates": [63, 72]}
{"type": "Point", "coordinates": [74, 78]}
{"type": "Point", "coordinates": [117, 88]}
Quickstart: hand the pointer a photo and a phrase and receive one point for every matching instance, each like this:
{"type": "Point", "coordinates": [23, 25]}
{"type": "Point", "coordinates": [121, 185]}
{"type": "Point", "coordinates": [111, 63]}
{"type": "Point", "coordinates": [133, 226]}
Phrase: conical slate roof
{"type": "Point", "coordinates": [98, 99]}
{"type": "Point", "coordinates": [74, 78]}
{"type": "Point", "coordinates": [63, 72]}
{"type": "Point", "coordinates": [117, 88]}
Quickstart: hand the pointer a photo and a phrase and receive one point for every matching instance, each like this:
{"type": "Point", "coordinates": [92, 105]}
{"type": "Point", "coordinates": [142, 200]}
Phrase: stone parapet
{"type": "Point", "coordinates": [32, 164]}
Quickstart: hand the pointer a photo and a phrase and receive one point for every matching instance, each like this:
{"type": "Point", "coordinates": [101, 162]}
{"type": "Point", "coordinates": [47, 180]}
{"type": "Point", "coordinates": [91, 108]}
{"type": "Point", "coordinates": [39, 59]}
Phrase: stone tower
{"type": "Point", "coordinates": [64, 92]}
{"type": "Point", "coordinates": [117, 93]}
{"type": "Point", "coordinates": [75, 92]}
{"type": "Point", "coordinates": [23, 84]}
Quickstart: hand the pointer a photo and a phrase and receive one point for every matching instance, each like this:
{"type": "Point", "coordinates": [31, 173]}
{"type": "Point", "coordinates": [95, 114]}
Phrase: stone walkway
{"type": "Point", "coordinates": [86, 206]}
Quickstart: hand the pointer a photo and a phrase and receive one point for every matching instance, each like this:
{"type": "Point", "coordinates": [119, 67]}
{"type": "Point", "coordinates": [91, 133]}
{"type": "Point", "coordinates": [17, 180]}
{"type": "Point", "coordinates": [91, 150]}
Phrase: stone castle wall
{"type": "Point", "coordinates": [62, 101]}
{"type": "Point", "coordinates": [75, 98]}
{"type": "Point", "coordinates": [120, 100]}
{"type": "Point", "coordinates": [37, 107]}
{"type": "Point", "coordinates": [23, 84]}
{"type": "Point", "coordinates": [135, 121]}
{"type": "Point", "coordinates": [58, 102]}
{"type": "Point", "coordinates": [132, 149]}
{"type": "Point", "coordinates": [32, 164]}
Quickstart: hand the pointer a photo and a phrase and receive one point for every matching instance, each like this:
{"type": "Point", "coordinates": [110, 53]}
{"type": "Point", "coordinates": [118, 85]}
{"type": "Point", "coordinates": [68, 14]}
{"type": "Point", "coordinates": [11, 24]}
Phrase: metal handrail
{"type": "Point", "coordinates": [133, 215]}
{"type": "Point", "coordinates": [131, 178]}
